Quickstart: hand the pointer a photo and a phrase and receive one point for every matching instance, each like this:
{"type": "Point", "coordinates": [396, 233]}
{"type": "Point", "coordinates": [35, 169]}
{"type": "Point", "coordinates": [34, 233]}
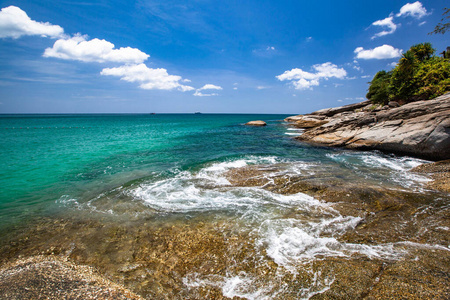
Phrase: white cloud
{"type": "Point", "coordinates": [392, 64]}
{"type": "Point", "coordinates": [265, 52]}
{"type": "Point", "coordinates": [382, 52]}
{"type": "Point", "coordinates": [388, 23]}
{"type": "Point", "coordinates": [210, 87]}
{"type": "Point", "coordinates": [149, 79]}
{"type": "Point", "coordinates": [303, 80]}
{"type": "Point", "coordinates": [15, 23]}
{"type": "Point", "coordinates": [95, 50]}
{"type": "Point", "coordinates": [200, 94]}
{"type": "Point", "coordinates": [366, 76]}
{"type": "Point", "coordinates": [207, 87]}
{"type": "Point", "coordinates": [415, 10]}
{"type": "Point", "coordinates": [261, 87]}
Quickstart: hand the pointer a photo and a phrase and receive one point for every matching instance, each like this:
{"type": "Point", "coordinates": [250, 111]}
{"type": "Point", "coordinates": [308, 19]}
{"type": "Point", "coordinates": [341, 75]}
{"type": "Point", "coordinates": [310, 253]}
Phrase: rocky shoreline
{"type": "Point", "coordinates": [420, 129]}
{"type": "Point", "coordinates": [155, 257]}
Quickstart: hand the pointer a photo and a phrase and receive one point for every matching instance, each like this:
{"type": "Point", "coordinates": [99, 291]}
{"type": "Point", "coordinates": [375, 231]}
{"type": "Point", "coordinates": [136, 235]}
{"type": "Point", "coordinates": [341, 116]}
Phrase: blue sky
{"type": "Point", "coordinates": [211, 56]}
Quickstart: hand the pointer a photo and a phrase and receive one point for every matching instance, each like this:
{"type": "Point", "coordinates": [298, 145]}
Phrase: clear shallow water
{"type": "Point", "coordinates": [138, 166]}
{"type": "Point", "coordinates": [46, 156]}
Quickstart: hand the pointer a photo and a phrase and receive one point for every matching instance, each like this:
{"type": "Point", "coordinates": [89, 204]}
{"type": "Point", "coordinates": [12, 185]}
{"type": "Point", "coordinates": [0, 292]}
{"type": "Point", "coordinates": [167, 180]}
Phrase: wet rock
{"type": "Point", "coordinates": [51, 277]}
{"type": "Point", "coordinates": [200, 254]}
{"type": "Point", "coordinates": [388, 215]}
{"type": "Point", "coordinates": [256, 123]}
{"type": "Point", "coordinates": [439, 172]}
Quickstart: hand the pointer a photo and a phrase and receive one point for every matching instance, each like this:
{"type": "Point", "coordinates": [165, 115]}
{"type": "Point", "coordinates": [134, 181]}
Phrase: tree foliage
{"type": "Point", "coordinates": [442, 27]}
{"type": "Point", "coordinates": [419, 75]}
{"type": "Point", "coordinates": [379, 87]}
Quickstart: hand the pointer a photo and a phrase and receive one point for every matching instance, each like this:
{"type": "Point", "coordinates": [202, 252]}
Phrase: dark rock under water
{"type": "Point", "coordinates": [206, 255]}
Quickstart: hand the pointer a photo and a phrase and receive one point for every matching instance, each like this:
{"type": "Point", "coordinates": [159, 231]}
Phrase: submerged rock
{"type": "Point", "coordinates": [256, 123]}
{"type": "Point", "coordinates": [420, 129]}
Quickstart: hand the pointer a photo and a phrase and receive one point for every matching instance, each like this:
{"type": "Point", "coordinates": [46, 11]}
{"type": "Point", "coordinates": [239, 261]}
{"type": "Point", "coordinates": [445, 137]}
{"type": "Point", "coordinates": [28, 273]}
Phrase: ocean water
{"type": "Point", "coordinates": [46, 157]}
{"type": "Point", "coordinates": [174, 166]}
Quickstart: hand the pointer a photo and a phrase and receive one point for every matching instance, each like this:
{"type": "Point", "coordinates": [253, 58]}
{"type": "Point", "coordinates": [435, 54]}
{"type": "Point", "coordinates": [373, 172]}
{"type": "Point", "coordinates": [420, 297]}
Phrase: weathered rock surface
{"type": "Point", "coordinates": [256, 123]}
{"type": "Point", "coordinates": [310, 122]}
{"type": "Point", "coordinates": [329, 112]}
{"type": "Point", "coordinates": [50, 277]}
{"type": "Point", "coordinates": [420, 129]}
{"type": "Point", "coordinates": [439, 171]}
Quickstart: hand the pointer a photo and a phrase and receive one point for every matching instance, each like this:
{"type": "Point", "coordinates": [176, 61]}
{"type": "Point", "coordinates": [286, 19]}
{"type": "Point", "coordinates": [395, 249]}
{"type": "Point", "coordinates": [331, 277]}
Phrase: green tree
{"type": "Point", "coordinates": [419, 75]}
{"type": "Point", "coordinates": [379, 88]}
{"type": "Point", "coordinates": [402, 80]}
{"type": "Point", "coordinates": [422, 52]}
{"type": "Point", "coordinates": [432, 78]}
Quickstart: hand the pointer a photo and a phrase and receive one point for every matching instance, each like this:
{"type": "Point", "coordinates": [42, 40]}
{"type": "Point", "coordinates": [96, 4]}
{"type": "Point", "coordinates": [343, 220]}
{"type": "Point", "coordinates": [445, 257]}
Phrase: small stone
{"type": "Point", "coordinates": [393, 104]}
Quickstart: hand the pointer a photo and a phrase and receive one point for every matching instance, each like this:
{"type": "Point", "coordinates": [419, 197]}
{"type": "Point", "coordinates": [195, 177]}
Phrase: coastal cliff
{"type": "Point", "coordinates": [420, 129]}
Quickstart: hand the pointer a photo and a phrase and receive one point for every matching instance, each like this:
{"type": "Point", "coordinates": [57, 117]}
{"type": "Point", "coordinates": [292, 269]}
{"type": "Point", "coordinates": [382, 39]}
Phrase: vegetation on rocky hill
{"type": "Point", "coordinates": [419, 75]}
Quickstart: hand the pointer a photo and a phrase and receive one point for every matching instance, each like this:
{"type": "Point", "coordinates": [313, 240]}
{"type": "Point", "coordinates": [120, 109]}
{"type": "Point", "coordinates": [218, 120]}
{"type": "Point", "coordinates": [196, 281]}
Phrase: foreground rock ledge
{"type": "Point", "coordinates": [420, 129]}
{"type": "Point", "coordinates": [256, 123]}
{"type": "Point", "coordinates": [51, 277]}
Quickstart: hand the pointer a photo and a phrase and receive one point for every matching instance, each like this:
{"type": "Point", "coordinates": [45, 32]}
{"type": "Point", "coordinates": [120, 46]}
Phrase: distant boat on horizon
{"type": "Point", "coordinates": [197, 113]}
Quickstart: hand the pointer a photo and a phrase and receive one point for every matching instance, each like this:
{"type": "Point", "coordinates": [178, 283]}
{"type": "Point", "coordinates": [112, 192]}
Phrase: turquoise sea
{"type": "Point", "coordinates": [46, 158]}
{"type": "Point", "coordinates": [171, 169]}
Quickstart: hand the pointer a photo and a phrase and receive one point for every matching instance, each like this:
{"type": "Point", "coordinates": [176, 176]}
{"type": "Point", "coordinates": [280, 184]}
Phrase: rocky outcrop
{"type": "Point", "coordinates": [256, 123]}
{"type": "Point", "coordinates": [420, 129]}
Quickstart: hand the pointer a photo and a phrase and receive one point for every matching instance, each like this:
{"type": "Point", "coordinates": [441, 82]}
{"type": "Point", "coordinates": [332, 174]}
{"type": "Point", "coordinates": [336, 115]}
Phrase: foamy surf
{"type": "Point", "coordinates": [291, 243]}
{"type": "Point", "coordinates": [292, 231]}
{"type": "Point", "coordinates": [383, 168]}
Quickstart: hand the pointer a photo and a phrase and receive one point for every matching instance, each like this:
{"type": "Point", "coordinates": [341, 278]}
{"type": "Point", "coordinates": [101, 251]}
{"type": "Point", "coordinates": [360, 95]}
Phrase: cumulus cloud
{"type": "Point", "coordinates": [303, 80]}
{"type": "Point", "coordinates": [199, 93]}
{"type": "Point", "coordinates": [15, 23]}
{"type": "Point", "coordinates": [210, 87]}
{"type": "Point", "coordinates": [149, 79]}
{"type": "Point", "coordinates": [387, 23]}
{"type": "Point", "coordinates": [382, 52]}
{"type": "Point", "coordinates": [95, 50]}
{"type": "Point", "coordinates": [415, 10]}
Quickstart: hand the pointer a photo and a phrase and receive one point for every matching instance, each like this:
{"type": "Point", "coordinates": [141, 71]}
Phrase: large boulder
{"type": "Point", "coordinates": [419, 129]}
{"type": "Point", "coordinates": [256, 123]}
